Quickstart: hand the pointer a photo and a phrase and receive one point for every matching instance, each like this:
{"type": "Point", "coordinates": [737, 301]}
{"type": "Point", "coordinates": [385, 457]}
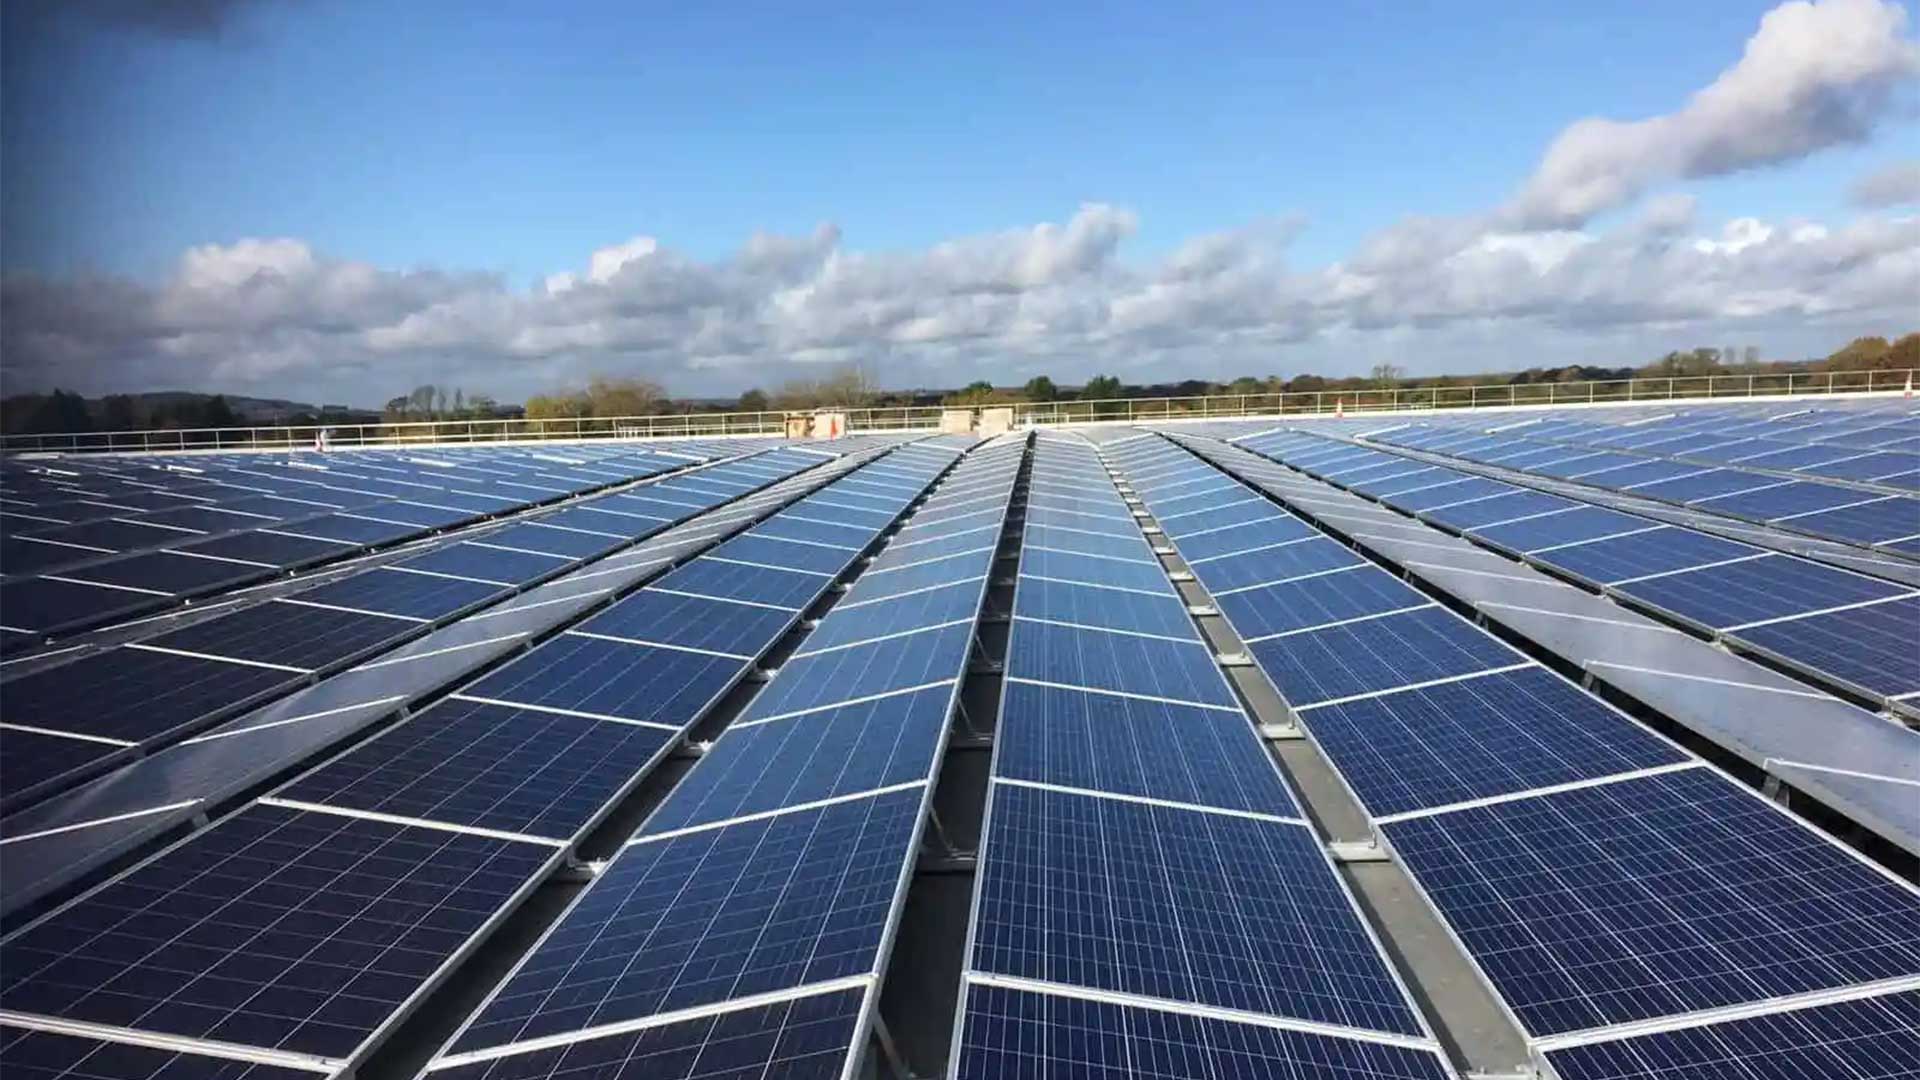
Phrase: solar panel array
{"type": "Point", "coordinates": [87, 540]}
{"type": "Point", "coordinates": [1150, 901]}
{"type": "Point", "coordinates": [1599, 877]}
{"type": "Point", "coordinates": [1848, 629]}
{"type": "Point", "coordinates": [299, 930]}
{"type": "Point", "coordinates": [745, 927]}
{"type": "Point", "coordinates": [1841, 754]}
{"type": "Point", "coordinates": [1832, 479]}
{"type": "Point", "coordinates": [67, 721]}
{"type": "Point", "coordinates": [64, 837]}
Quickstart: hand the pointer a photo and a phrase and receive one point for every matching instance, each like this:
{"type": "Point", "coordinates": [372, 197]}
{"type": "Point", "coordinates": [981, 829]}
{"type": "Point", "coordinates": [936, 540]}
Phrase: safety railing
{"type": "Point", "coordinates": [898, 418]}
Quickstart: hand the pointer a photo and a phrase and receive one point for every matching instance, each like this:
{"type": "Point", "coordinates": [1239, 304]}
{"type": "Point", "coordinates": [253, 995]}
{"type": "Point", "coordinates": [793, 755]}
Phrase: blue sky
{"type": "Point", "coordinates": [513, 140]}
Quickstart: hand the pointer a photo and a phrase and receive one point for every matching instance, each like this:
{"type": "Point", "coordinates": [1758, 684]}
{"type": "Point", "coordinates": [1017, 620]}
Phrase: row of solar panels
{"type": "Point", "coordinates": [1844, 756]}
{"type": "Point", "coordinates": [1846, 629]}
{"type": "Point", "coordinates": [1869, 441]}
{"type": "Point", "coordinates": [1146, 876]}
{"type": "Point", "coordinates": [65, 836]}
{"type": "Point", "coordinates": [1869, 517]}
{"type": "Point", "coordinates": [309, 514]}
{"type": "Point", "coordinates": [761, 896]}
{"type": "Point", "coordinates": [1607, 884]}
{"type": "Point", "coordinates": [296, 932]}
{"type": "Point", "coordinates": [69, 720]}
{"type": "Point", "coordinates": [63, 511]}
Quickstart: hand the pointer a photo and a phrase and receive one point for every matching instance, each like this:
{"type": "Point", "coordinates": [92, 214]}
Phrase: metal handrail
{"type": "Point", "coordinates": [916, 417]}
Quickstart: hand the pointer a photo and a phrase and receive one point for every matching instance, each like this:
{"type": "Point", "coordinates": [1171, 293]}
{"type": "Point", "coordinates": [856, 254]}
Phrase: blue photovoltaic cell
{"type": "Point", "coordinates": [133, 694]}
{"type": "Point", "coordinates": [1583, 523]}
{"type": "Point", "coordinates": [276, 928]}
{"type": "Point", "coordinates": [713, 915]}
{"type": "Point", "coordinates": [1377, 654]}
{"type": "Point", "coordinates": [1658, 551]}
{"type": "Point", "coordinates": [759, 767]}
{"type": "Point", "coordinates": [1866, 523]}
{"type": "Point", "coordinates": [817, 531]}
{"type": "Point", "coordinates": [1254, 509]}
{"type": "Point", "coordinates": [1183, 905]}
{"type": "Point", "coordinates": [773, 551]}
{"type": "Point", "coordinates": [1125, 663]}
{"type": "Point", "coordinates": [873, 586]}
{"type": "Point", "coordinates": [395, 592]}
{"type": "Point", "coordinates": [45, 604]}
{"type": "Point", "coordinates": [1308, 556]}
{"type": "Point", "coordinates": [466, 763]}
{"type": "Point", "coordinates": [1016, 1033]}
{"type": "Point", "coordinates": [806, 1038]}
{"type": "Point", "coordinates": [351, 529]}
{"type": "Point", "coordinates": [1275, 530]}
{"type": "Point", "coordinates": [273, 548]}
{"type": "Point", "coordinates": [1112, 526]}
{"type": "Point", "coordinates": [1646, 472]}
{"type": "Point", "coordinates": [912, 547]}
{"type": "Point", "coordinates": [690, 621]}
{"type": "Point", "coordinates": [891, 616]}
{"type": "Point", "coordinates": [1798, 497]}
{"type": "Point", "coordinates": [1085, 605]}
{"type": "Point", "coordinates": [1870, 1039]}
{"type": "Point", "coordinates": [1092, 570]}
{"type": "Point", "coordinates": [1316, 601]}
{"type": "Point", "coordinates": [32, 759]}
{"type": "Point", "coordinates": [1462, 490]}
{"type": "Point", "coordinates": [46, 1055]}
{"type": "Point", "coordinates": [169, 572]}
{"type": "Point", "coordinates": [1515, 504]}
{"type": "Point", "coordinates": [295, 634]}
{"type": "Point", "coordinates": [1106, 506]}
{"type": "Point", "coordinates": [612, 678]}
{"type": "Point", "coordinates": [561, 542]}
{"type": "Point", "coordinates": [422, 516]}
{"type": "Point", "coordinates": [485, 564]}
{"type": "Point", "coordinates": [1770, 587]}
{"type": "Point", "coordinates": [1587, 464]}
{"type": "Point", "coordinates": [809, 681]}
{"type": "Point", "coordinates": [1133, 747]}
{"type": "Point", "coordinates": [1873, 647]}
{"type": "Point", "coordinates": [788, 589]}
{"type": "Point", "coordinates": [1704, 485]}
{"type": "Point", "coordinates": [1480, 737]}
{"type": "Point", "coordinates": [1416, 478]}
{"type": "Point", "coordinates": [1654, 896]}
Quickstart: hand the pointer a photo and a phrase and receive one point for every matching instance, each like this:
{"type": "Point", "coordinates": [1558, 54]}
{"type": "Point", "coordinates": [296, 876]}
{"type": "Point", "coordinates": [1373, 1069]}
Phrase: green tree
{"type": "Point", "coordinates": [1041, 388]}
{"type": "Point", "coordinates": [754, 400]}
{"type": "Point", "coordinates": [1102, 388]}
{"type": "Point", "coordinates": [219, 414]}
{"type": "Point", "coordinates": [1387, 376]}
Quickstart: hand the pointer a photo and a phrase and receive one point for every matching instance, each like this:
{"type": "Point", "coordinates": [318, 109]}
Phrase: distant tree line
{"type": "Point", "coordinates": [852, 386]}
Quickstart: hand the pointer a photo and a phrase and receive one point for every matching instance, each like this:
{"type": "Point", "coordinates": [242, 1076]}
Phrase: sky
{"type": "Point", "coordinates": [333, 200]}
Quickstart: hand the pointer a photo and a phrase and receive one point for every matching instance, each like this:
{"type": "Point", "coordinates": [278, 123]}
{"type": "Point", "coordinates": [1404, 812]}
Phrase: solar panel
{"type": "Point", "coordinates": [804, 1038]}
{"type": "Point", "coordinates": [1013, 1032]}
{"type": "Point", "coordinates": [1458, 741]}
{"type": "Point", "coordinates": [1369, 656]}
{"type": "Point", "coordinates": [613, 678]}
{"type": "Point", "coordinates": [1871, 646]}
{"type": "Point", "coordinates": [712, 915]}
{"type": "Point", "coordinates": [1176, 904]}
{"type": "Point", "coordinates": [47, 1055]}
{"type": "Point", "coordinates": [1655, 895]}
{"type": "Point", "coordinates": [488, 766]}
{"type": "Point", "coordinates": [1875, 1038]}
{"type": "Point", "coordinates": [1131, 746]}
{"type": "Point", "coordinates": [1768, 587]}
{"type": "Point", "coordinates": [299, 635]}
{"type": "Point", "coordinates": [276, 928]}
{"type": "Point", "coordinates": [690, 622]}
{"type": "Point", "coordinates": [1179, 671]}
